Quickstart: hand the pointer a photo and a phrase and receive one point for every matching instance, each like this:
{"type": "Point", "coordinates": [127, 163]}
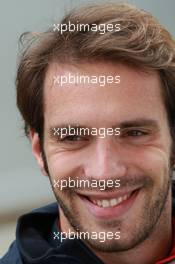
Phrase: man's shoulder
{"type": "Point", "coordinates": [50, 208]}
{"type": "Point", "coordinates": [12, 256]}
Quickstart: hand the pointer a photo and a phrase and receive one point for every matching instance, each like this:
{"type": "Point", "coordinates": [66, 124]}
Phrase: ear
{"type": "Point", "coordinates": [36, 149]}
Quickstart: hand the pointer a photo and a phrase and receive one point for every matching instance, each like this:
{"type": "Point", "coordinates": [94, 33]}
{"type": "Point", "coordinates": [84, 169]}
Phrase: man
{"type": "Point", "coordinates": [109, 67]}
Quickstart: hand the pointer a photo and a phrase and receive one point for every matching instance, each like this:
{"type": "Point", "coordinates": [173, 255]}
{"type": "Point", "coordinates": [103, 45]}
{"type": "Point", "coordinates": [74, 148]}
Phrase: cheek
{"type": "Point", "coordinates": [64, 165]}
{"type": "Point", "coordinates": [156, 163]}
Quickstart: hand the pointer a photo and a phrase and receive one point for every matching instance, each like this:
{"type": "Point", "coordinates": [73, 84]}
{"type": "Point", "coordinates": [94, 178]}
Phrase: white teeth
{"type": "Point", "coordinates": [99, 202]}
{"type": "Point", "coordinates": [105, 203]}
{"type": "Point", "coordinates": [111, 202]}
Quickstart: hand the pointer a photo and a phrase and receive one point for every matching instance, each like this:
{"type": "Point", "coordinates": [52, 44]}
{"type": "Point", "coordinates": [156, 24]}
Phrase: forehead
{"type": "Point", "coordinates": [138, 94]}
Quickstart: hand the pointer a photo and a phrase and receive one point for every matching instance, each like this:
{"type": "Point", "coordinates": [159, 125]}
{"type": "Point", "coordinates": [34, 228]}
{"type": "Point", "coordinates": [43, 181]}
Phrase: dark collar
{"type": "Point", "coordinates": [33, 232]}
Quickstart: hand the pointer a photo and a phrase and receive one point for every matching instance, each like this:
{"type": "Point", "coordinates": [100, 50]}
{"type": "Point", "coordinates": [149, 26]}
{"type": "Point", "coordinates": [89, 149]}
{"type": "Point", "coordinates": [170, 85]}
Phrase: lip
{"type": "Point", "coordinates": [108, 195]}
{"type": "Point", "coordinates": [109, 212]}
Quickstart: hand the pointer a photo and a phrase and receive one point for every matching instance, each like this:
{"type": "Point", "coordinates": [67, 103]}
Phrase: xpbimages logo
{"type": "Point", "coordinates": [85, 183]}
{"type": "Point", "coordinates": [101, 132]}
{"type": "Point", "coordinates": [100, 236]}
{"type": "Point", "coordinates": [101, 28]}
{"type": "Point", "coordinates": [100, 80]}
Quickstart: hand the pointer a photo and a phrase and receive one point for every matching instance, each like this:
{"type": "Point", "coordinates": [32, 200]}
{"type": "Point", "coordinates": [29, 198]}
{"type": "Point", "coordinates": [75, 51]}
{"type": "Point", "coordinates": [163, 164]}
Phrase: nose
{"type": "Point", "coordinates": [106, 161]}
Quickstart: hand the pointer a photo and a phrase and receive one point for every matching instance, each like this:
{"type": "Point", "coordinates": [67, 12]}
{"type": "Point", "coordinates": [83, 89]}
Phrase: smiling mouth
{"type": "Point", "coordinates": [109, 205]}
{"type": "Point", "coordinates": [109, 202]}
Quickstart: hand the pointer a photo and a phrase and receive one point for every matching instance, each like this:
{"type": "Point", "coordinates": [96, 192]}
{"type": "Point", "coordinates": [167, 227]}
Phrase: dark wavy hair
{"type": "Point", "coordinates": [142, 42]}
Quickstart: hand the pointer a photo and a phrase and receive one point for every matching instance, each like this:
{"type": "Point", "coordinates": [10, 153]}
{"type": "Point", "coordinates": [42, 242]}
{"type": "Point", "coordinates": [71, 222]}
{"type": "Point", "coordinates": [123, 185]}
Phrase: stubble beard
{"type": "Point", "coordinates": [137, 235]}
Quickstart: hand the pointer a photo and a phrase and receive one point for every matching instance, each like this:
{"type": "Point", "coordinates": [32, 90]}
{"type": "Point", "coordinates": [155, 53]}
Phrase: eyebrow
{"type": "Point", "coordinates": [141, 122]}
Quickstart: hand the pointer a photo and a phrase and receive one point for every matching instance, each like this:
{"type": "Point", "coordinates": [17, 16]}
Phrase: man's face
{"type": "Point", "coordinates": [139, 157]}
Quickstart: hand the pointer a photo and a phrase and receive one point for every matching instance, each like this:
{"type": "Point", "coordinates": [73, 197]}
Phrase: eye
{"type": "Point", "coordinates": [73, 138]}
{"type": "Point", "coordinates": [136, 133]}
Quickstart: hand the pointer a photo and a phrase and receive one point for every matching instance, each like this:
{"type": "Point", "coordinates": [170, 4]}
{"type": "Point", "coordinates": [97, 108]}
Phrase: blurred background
{"type": "Point", "coordinates": [22, 187]}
